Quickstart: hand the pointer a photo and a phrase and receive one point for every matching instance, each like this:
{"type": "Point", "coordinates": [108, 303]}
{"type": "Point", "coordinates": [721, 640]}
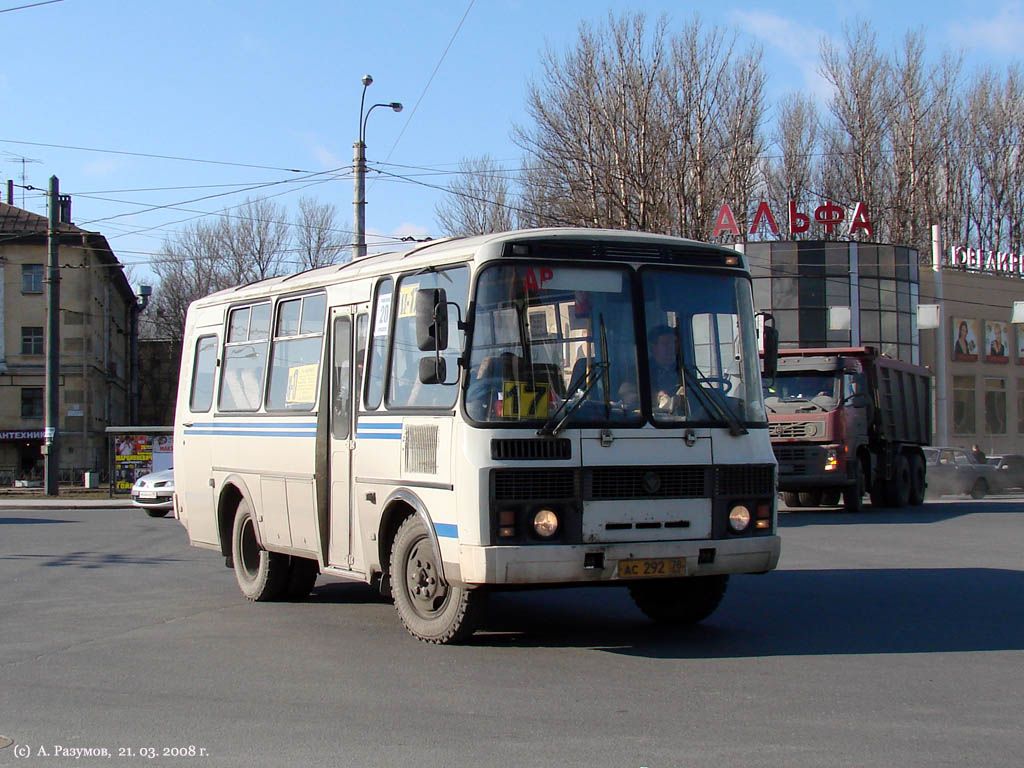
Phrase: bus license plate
{"type": "Point", "coordinates": [652, 567]}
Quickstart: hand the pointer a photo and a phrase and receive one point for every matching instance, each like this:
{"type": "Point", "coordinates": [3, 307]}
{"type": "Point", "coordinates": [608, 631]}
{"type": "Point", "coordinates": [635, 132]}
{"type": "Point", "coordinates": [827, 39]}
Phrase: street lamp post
{"type": "Point", "coordinates": [359, 172]}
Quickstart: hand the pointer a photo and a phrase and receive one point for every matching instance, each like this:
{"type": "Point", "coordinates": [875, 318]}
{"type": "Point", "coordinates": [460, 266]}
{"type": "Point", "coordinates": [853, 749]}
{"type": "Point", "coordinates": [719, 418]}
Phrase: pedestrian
{"type": "Point", "coordinates": [978, 454]}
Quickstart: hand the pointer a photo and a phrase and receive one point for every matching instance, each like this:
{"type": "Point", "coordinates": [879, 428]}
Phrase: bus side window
{"type": "Point", "coordinates": [203, 367]}
{"type": "Point", "coordinates": [341, 397]}
{"type": "Point", "coordinates": [377, 353]}
{"type": "Point", "coordinates": [406, 390]}
{"type": "Point", "coordinates": [362, 328]}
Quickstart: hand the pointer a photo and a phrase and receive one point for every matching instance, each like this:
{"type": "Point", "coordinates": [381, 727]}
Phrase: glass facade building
{"type": "Point", "coordinates": [839, 294]}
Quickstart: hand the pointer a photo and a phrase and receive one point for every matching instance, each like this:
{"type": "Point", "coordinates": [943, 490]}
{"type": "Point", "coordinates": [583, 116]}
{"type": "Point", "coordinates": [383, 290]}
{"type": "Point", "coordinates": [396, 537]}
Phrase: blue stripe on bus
{"type": "Point", "coordinates": [447, 530]}
{"type": "Point", "coordinates": [363, 423]}
{"type": "Point", "coordinates": [248, 433]}
{"type": "Point", "coordinates": [218, 425]}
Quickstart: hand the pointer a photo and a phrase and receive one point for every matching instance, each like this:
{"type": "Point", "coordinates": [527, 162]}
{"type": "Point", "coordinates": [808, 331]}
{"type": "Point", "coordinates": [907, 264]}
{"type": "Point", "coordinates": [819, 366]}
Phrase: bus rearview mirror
{"type": "Point", "coordinates": [431, 319]}
{"type": "Point", "coordinates": [433, 370]}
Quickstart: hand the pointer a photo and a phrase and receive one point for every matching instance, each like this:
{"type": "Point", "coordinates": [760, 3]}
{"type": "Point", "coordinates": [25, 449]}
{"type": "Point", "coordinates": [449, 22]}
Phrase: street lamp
{"type": "Point", "coordinates": [359, 172]}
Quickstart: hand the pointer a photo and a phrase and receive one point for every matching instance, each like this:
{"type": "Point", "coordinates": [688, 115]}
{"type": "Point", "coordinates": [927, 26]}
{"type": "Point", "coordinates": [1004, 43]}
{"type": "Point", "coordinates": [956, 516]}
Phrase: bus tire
{"type": "Point", "coordinates": [261, 575]}
{"type": "Point", "coordinates": [679, 601]}
{"type": "Point", "coordinates": [430, 609]}
{"type": "Point", "coordinates": [302, 573]}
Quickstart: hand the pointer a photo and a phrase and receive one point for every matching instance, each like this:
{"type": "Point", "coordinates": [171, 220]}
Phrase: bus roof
{"type": "Point", "coordinates": [452, 250]}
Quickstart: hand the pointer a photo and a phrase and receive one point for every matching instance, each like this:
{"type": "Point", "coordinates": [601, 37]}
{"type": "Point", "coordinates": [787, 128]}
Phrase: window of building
{"type": "Point", "coordinates": [31, 402]}
{"type": "Point", "coordinates": [1020, 406]}
{"type": "Point", "coordinates": [378, 345]}
{"type": "Point", "coordinates": [995, 406]}
{"type": "Point", "coordinates": [203, 368]}
{"type": "Point", "coordinates": [245, 355]}
{"type": "Point", "coordinates": [31, 278]}
{"type": "Point", "coordinates": [405, 388]}
{"type": "Point", "coordinates": [295, 365]}
{"type": "Point", "coordinates": [963, 405]}
{"type": "Point", "coordinates": [31, 340]}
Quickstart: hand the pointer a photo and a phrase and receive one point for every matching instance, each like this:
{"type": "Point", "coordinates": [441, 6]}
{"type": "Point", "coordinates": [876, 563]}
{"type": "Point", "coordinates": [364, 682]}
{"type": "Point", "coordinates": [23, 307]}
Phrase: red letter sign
{"type": "Point", "coordinates": [726, 221]}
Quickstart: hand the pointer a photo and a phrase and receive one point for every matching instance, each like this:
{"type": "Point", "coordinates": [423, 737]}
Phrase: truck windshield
{"type": "Point", "coordinates": [542, 333]}
{"type": "Point", "coordinates": [802, 389]}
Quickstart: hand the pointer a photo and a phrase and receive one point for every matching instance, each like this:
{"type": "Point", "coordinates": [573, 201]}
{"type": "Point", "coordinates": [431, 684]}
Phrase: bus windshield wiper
{"type": "Point", "coordinates": [712, 399]}
{"type": "Point", "coordinates": [570, 405]}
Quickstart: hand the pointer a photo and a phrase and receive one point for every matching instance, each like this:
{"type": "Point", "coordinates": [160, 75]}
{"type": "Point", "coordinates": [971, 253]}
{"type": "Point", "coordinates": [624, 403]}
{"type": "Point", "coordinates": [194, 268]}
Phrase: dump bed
{"type": "Point", "coordinates": [903, 398]}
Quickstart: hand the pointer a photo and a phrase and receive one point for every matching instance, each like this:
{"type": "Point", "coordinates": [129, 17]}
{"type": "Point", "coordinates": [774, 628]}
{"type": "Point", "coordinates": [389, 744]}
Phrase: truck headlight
{"type": "Point", "coordinates": [831, 460]}
{"type": "Point", "coordinates": [739, 518]}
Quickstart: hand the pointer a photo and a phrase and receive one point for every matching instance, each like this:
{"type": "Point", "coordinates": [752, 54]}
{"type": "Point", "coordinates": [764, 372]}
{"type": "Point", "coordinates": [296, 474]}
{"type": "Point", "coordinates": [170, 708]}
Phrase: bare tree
{"type": "Point", "coordinates": [253, 240]}
{"type": "Point", "coordinates": [793, 173]}
{"type": "Point", "coordinates": [191, 265]}
{"type": "Point", "coordinates": [318, 239]}
{"type": "Point", "coordinates": [479, 200]}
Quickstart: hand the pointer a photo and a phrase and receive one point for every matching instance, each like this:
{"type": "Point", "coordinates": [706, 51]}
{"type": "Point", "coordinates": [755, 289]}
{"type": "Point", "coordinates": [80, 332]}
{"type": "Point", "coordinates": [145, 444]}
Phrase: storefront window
{"type": "Point", "coordinates": [963, 405]}
{"type": "Point", "coordinates": [995, 406]}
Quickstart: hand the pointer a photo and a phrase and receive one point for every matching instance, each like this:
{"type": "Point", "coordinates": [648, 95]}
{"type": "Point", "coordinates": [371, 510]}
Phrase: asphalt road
{"type": "Point", "coordinates": [884, 639]}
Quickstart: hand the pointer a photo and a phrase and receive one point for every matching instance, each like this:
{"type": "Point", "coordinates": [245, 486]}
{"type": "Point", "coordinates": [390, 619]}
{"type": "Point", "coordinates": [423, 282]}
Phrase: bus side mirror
{"type": "Point", "coordinates": [433, 370]}
{"type": "Point", "coordinates": [431, 320]}
{"type": "Point", "coordinates": [771, 351]}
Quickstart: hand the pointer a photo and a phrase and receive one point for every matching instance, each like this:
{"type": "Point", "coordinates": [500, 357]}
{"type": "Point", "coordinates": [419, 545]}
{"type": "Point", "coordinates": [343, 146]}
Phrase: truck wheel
{"type": "Point", "coordinates": [897, 493]}
{"type": "Point", "coordinates": [431, 610]}
{"type": "Point", "coordinates": [679, 601]}
{"type": "Point", "coordinates": [261, 575]}
{"type": "Point", "coordinates": [979, 489]}
{"type": "Point", "coordinates": [917, 480]}
{"type": "Point", "coordinates": [791, 499]}
{"type": "Point", "coordinates": [810, 498]}
{"type": "Point", "coordinates": [853, 495]}
{"type": "Point", "coordinates": [830, 498]}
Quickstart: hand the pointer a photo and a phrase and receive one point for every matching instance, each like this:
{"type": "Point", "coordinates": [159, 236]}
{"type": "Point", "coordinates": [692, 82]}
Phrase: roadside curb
{"type": "Point", "coordinates": [58, 503]}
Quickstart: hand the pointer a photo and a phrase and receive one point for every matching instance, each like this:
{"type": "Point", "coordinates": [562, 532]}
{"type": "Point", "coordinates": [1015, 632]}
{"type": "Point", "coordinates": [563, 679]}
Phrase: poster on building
{"type": "Point", "coordinates": [133, 458]}
{"type": "Point", "coordinates": [997, 337]}
{"type": "Point", "coordinates": [965, 342]}
{"type": "Point", "coordinates": [162, 456]}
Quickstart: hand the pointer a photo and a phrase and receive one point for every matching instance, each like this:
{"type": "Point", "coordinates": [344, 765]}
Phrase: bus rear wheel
{"type": "Point", "coordinates": [261, 575]}
{"type": "Point", "coordinates": [679, 601]}
{"type": "Point", "coordinates": [430, 609]}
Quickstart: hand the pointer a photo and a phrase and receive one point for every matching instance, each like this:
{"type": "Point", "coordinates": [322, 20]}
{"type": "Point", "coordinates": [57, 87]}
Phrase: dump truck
{"type": "Point", "coordinates": [849, 421]}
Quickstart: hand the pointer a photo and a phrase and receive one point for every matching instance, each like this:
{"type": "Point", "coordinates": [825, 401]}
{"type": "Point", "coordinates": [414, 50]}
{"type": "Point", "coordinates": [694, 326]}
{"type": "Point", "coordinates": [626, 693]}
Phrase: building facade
{"type": "Point", "coordinates": [837, 294]}
{"type": "Point", "coordinates": [96, 325]}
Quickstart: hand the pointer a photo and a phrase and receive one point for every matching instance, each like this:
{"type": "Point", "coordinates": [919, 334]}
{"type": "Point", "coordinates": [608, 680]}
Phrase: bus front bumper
{"type": "Point", "coordinates": [588, 563]}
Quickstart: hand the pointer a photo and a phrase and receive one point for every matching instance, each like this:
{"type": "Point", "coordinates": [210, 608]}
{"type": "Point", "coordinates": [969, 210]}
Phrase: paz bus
{"type": "Point", "coordinates": [537, 408]}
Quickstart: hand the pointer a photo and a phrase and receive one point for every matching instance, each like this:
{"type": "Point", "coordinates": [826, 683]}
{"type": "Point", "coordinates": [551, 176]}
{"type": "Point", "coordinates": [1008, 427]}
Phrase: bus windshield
{"type": "Point", "coordinates": [555, 344]}
{"type": "Point", "coordinates": [542, 333]}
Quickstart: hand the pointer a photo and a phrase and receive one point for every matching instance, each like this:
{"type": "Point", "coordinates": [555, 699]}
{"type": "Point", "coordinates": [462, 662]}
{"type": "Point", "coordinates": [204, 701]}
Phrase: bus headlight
{"type": "Point", "coordinates": [545, 523]}
{"type": "Point", "coordinates": [739, 518]}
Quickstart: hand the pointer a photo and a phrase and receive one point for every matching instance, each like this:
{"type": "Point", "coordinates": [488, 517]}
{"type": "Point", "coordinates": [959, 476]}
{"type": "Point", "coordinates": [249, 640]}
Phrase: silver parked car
{"type": "Point", "coordinates": [155, 493]}
{"type": "Point", "coordinates": [954, 470]}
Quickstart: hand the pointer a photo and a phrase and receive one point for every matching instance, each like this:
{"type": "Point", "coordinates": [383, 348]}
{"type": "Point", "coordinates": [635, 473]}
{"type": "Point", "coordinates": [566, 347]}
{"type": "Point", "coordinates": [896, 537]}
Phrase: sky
{"type": "Point", "coordinates": [154, 114]}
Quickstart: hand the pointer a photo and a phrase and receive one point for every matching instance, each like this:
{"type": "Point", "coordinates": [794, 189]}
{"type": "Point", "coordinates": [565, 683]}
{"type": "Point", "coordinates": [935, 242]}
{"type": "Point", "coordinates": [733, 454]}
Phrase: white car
{"type": "Point", "coordinates": [155, 493]}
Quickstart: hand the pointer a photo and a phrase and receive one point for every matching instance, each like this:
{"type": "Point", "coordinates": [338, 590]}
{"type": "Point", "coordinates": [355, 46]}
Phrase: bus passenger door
{"type": "Point", "coordinates": [339, 551]}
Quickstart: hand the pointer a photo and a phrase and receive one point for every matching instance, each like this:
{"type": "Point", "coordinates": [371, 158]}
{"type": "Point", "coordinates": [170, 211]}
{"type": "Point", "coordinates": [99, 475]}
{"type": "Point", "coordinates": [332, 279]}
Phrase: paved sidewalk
{"type": "Point", "coordinates": [12, 501]}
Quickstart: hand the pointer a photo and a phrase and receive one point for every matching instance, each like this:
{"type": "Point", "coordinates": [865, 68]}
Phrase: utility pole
{"type": "Point", "coordinates": [359, 172]}
{"type": "Point", "coordinates": [941, 395]}
{"type": "Point", "coordinates": [52, 387]}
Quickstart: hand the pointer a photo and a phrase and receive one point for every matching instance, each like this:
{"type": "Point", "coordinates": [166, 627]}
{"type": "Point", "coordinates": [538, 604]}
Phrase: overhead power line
{"type": "Point", "coordinates": [30, 5]}
{"type": "Point", "coordinates": [154, 155]}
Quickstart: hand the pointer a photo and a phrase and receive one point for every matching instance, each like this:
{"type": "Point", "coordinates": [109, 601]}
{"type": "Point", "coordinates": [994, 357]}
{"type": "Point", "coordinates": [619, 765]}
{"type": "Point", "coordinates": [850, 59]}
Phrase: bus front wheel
{"type": "Point", "coordinates": [679, 601]}
{"type": "Point", "coordinates": [430, 609]}
{"type": "Point", "coordinates": [261, 575]}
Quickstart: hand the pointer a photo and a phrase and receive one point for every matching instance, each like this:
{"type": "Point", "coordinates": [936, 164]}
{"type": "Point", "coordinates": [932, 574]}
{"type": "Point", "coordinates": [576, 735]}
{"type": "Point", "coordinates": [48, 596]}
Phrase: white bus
{"type": "Point", "coordinates": [538, 408]}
